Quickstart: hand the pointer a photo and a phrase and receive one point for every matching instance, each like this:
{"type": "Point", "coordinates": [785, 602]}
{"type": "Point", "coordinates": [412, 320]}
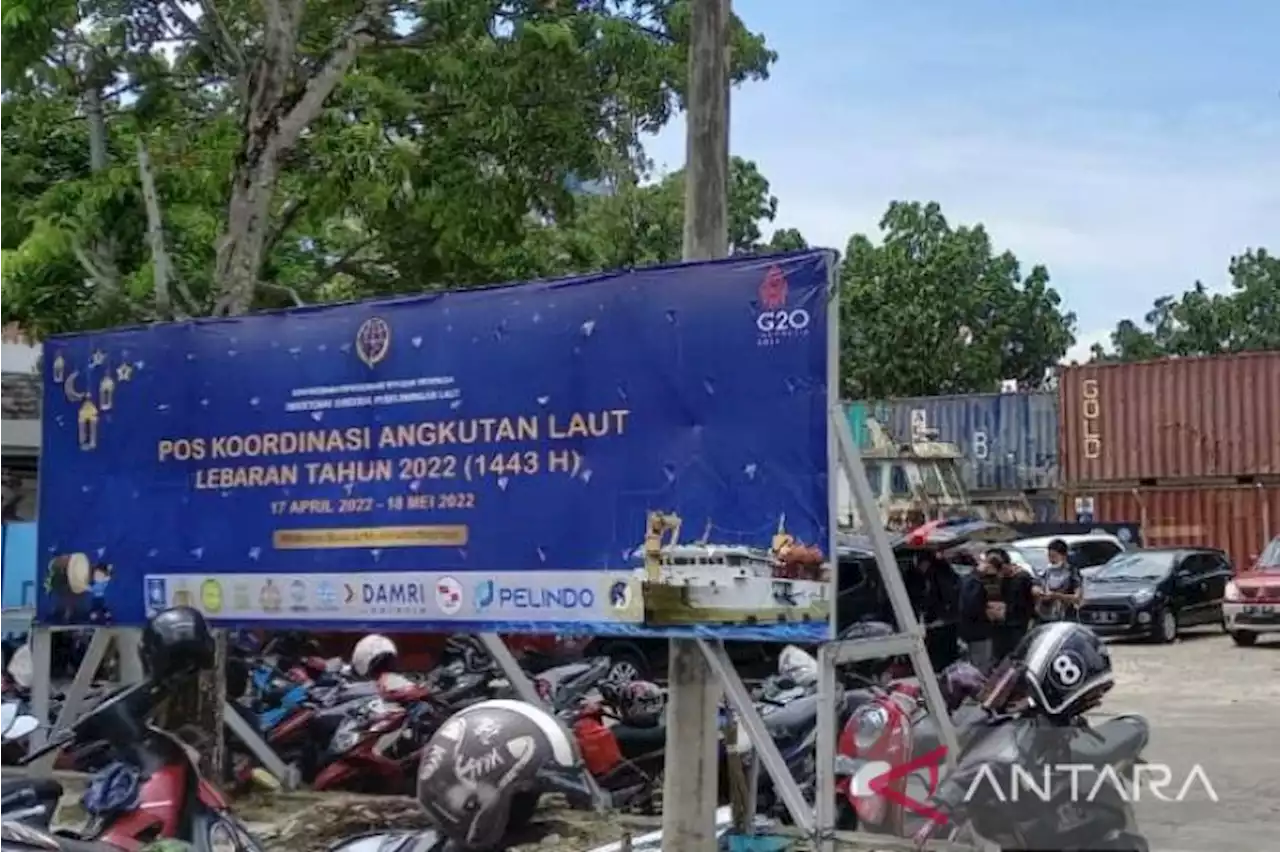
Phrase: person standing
{"type": "Point", "coordinates": [1013, 614]}
{"type": "Point", "coordinates": [975, 605]}
{"type": "Point", "coordinates": [1059, 598]}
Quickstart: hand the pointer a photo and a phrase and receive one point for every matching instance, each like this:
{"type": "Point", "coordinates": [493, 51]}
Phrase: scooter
{"type": "Point", "coordinates": [892, 729]}
{"type": "Point", "coordinates": [154, 791]}
{"type": "Point", "coordinates": [25, 800]}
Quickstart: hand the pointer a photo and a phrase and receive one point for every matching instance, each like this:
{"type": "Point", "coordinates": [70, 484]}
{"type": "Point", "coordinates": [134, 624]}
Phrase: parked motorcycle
{"type": "Point", "coordinates": [153, 791]}
{"type": "Point", "coordinates": [1016, 736]}
{"type": "Point", "coordinates": [891, 729]}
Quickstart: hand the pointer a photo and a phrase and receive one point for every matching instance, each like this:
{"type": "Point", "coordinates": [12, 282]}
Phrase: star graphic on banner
{"type": "Point", "coordinates": [124, 372]}
{"type": "Point", "coordinates": [98, 359]}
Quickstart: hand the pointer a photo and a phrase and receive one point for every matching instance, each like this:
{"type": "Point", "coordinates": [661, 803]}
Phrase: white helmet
{"type": "Point", "coordinates": [370, 651]}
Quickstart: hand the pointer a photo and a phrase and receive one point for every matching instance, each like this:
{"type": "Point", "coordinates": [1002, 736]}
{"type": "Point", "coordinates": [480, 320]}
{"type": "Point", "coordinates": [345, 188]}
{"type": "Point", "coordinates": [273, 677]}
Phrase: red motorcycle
{"type": "Point", "coordinates": [895, 731]}
{"type": "Point", "coordinates": [153, 791]}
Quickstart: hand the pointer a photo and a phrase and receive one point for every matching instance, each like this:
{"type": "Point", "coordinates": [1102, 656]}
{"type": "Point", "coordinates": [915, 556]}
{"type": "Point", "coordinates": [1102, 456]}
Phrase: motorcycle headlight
{"type": "Point", "coordinates": [1143, 596]}
{"type": "Point", "coordinates": [869, 726]}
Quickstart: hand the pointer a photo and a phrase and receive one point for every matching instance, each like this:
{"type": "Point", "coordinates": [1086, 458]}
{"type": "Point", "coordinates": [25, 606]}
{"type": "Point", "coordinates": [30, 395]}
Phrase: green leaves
{"type": "Point", "coordinates": [933, 309]}
{"type": "Point", "coordinates": [1246, 318]}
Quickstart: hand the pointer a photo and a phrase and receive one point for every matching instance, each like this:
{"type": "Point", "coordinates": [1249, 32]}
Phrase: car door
{"type": "Point", "coordinates": [1191, 588]}
{"type": "Point", "coordinates": [1219, 574]}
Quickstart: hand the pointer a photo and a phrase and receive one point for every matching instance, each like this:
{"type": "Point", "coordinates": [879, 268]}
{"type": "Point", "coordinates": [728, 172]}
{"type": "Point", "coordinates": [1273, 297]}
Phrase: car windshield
{"type": "Point", "coordinates": [1136, 566]}
{"type": "Point", "coordinates": [1036, 558]}
{"type": "Point", "coordinates": [1270, 558]}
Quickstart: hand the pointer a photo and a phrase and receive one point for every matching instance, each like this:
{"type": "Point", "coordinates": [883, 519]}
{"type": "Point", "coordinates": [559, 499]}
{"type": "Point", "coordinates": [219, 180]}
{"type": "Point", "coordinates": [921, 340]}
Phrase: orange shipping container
{"type": "Point", "coordinates": [1239, 519]}
{"type": "Point", "coordinates": [1177, 419]}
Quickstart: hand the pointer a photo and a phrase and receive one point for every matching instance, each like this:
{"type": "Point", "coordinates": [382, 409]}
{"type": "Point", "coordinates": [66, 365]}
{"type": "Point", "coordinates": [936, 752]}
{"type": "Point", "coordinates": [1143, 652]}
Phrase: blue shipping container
{"type": "Point", "coordinates": [19, 569]}
{"type": "Point", "coordinates": [1009, 440]}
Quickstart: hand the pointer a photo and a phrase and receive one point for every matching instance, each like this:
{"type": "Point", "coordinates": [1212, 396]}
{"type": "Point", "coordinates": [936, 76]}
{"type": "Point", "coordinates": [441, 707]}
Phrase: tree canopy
{"type": "Point", "coordinates": [161, 164]}
{"type": "Point", "coordinates": [1243, 319]}
{"type": "Point", "coordinates": [932, 308]}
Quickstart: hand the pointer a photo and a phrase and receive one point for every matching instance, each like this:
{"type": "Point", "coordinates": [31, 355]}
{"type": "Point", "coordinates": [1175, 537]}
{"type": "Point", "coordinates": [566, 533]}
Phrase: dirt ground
{"type": "Point", "coordinates": [1210, 703]}
{"type": "Point", "coordinates": [1214, 704]}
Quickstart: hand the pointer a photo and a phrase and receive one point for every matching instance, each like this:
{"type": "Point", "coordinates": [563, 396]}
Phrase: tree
{"type": "Point", "coordinates": [1246, 318]}
{"type": "Point", "coordinates": [304, 152]}
{"type": "Point", "coordinates": [169, 164]}
{"type": "Point", "coordinates": [933, 309]}
{"type": "Point", "coordinates": [641, 225]}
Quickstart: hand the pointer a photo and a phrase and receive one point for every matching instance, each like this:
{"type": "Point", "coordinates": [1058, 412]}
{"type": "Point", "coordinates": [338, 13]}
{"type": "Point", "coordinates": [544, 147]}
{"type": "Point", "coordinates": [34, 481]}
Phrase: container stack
{"type": "Point", "coordinates": [1189, 447]}
{"type": "Point", "coordinates": [1009, 441]}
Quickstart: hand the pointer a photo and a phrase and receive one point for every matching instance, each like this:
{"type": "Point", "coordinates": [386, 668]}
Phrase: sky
{"type": "Point", "coordinates": [1131, 147]}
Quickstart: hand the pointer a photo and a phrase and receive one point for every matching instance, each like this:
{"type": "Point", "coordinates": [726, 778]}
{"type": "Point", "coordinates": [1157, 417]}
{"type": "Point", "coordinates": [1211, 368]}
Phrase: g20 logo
{"type": "Point", "coordinates": [783, 321]}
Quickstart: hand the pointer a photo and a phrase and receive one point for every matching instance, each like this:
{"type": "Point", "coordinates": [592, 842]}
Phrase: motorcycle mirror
{"type": "Point", "coordinates": [7, 716]}
{"type": "Point", "coordinates": [20, 728]}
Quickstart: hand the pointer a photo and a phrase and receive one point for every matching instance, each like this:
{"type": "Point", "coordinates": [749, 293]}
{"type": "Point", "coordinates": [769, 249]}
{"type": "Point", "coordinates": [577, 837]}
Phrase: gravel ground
{"type": "Point", "coordinates": [1210, 704]}
{"type": "Point", "coordinates": [1215, 705]}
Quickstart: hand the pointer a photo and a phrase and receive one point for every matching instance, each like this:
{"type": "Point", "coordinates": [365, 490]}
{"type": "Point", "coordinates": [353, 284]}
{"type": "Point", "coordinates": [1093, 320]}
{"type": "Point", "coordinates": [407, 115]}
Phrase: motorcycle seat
{"type": "Point", "coordinates": [926, 736]}
{"type": "Point", "coordinates": [792, 721]}
{"type": "Point", "coordinates": [1113, 741]}
{"type": "Point", "coordinates": [635, 740]}
{"type": "Point", "coordinates": [42, 789]}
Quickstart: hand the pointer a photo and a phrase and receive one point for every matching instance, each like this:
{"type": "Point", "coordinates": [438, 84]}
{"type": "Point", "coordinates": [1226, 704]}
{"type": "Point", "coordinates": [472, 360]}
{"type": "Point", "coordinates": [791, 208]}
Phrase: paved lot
{"type": "Point", "coordinates": [1216, 705]}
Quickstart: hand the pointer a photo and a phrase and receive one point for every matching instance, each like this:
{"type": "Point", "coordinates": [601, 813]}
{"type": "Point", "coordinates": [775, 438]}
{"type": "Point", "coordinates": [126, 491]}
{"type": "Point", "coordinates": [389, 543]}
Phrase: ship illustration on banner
{"type": "Point", "coordinates": [707, 583]}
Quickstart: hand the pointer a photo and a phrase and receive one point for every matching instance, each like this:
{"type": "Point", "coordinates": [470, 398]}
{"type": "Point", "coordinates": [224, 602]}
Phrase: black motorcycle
{"type": "Point", "coordinates": [1072, 797]}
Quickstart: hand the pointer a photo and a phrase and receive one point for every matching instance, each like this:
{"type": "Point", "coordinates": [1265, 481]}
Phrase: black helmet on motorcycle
{"type": "Point", "coordinates": [484, 769]}
{"type": "Point", "coordinates": [176, 642]}
{"type": "Point", "coordinates": [1067, 668]}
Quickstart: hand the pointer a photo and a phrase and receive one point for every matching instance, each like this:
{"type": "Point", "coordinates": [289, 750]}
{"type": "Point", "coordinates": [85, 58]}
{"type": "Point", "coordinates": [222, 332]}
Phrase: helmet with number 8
{"type": "Point", "coordinates": [1067, 668]}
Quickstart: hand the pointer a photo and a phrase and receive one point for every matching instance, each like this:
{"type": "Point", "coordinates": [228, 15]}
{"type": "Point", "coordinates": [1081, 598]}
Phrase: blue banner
{"type": "Point", "coordinates": [634, 453]}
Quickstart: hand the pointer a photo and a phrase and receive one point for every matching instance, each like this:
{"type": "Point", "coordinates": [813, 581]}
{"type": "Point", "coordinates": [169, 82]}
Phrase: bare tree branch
{"type": "Point", "coordinates": [161, 265]}
{"type": "Point", "coordinates": [284, 221]}
{"type": "Point", "coordinates": [282, 288]}
{"type": "Point", "coordinates": [358, 34]}
{"type": "Point", "coordinates": [340, 264]}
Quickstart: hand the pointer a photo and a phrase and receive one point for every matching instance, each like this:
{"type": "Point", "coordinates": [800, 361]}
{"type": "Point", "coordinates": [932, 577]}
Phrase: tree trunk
{"type": "Point", "coordinates": [274, 118]}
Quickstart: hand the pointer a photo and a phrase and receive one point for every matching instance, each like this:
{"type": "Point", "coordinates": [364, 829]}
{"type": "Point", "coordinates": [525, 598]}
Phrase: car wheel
{"type": "Point", "coordinates": [627, 662]}
{"type": "Point", "coordinates": [1244, 639]}
{"type": "Point", "coordinates": [1166, 626]}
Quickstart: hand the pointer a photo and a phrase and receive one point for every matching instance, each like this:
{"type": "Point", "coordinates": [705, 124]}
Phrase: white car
{"type": "Point", "coordinates": [1086, 551]}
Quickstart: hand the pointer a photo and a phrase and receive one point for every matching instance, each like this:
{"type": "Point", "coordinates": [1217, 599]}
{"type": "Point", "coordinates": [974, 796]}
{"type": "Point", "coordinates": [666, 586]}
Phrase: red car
{"type": "Point", "coordinates": [1252, 605]}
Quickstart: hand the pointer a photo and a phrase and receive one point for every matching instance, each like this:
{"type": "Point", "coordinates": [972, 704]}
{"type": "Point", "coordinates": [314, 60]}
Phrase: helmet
{"type": "Point", "coordinates": [960, 681]}
{"type": "Point", "coordinates": [373, 654]}
{"type": "Point", "coordinates": [1066, 667]}
{"type": "Point", "coordinates": [484, 769]}
{"type": "Point", "coordinates": [641, 704]}
{"type": "Point", "coordinates": [176, 642]}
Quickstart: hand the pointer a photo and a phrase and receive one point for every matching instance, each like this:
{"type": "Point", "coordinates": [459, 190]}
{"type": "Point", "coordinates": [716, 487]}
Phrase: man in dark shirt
{"type": "Point", "coordinates": [1017, 608]}
{"type": "Point", "coordinates": [974, 607]}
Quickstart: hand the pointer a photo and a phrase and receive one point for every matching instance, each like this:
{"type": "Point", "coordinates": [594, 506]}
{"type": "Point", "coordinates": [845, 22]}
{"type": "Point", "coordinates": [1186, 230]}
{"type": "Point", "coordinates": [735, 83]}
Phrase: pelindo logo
{"type": "Point", "coordinates": [490, 594]}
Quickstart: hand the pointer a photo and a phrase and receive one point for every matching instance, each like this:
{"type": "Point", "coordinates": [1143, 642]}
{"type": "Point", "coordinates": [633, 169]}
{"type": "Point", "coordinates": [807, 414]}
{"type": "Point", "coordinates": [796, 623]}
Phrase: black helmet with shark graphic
{"type": "Point", "coordinates": [485, 768]}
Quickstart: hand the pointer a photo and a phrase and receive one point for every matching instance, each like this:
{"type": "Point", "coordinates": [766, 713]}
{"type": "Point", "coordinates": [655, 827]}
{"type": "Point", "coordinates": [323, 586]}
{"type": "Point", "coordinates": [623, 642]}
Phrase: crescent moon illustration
{"type": "Point", "coordinates": [69, 387]}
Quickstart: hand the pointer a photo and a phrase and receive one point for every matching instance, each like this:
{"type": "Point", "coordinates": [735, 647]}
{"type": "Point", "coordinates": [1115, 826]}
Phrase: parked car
{"type": "Point", "coordinates": [1252, 605]}
{"type": "Point", "coordinates": [1086, 551]}
{"type": "Point", "coordinates": [1156, 592]}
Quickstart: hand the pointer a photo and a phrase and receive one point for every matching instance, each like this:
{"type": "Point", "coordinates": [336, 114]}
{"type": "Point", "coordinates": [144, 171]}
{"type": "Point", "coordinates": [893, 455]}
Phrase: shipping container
{"type": "Point", "coordinates": [1239, 519]}
{"type": "Point", "coordinates": [1181, 419]}
{"type": "Point", "coordinates": [1009, 440]}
